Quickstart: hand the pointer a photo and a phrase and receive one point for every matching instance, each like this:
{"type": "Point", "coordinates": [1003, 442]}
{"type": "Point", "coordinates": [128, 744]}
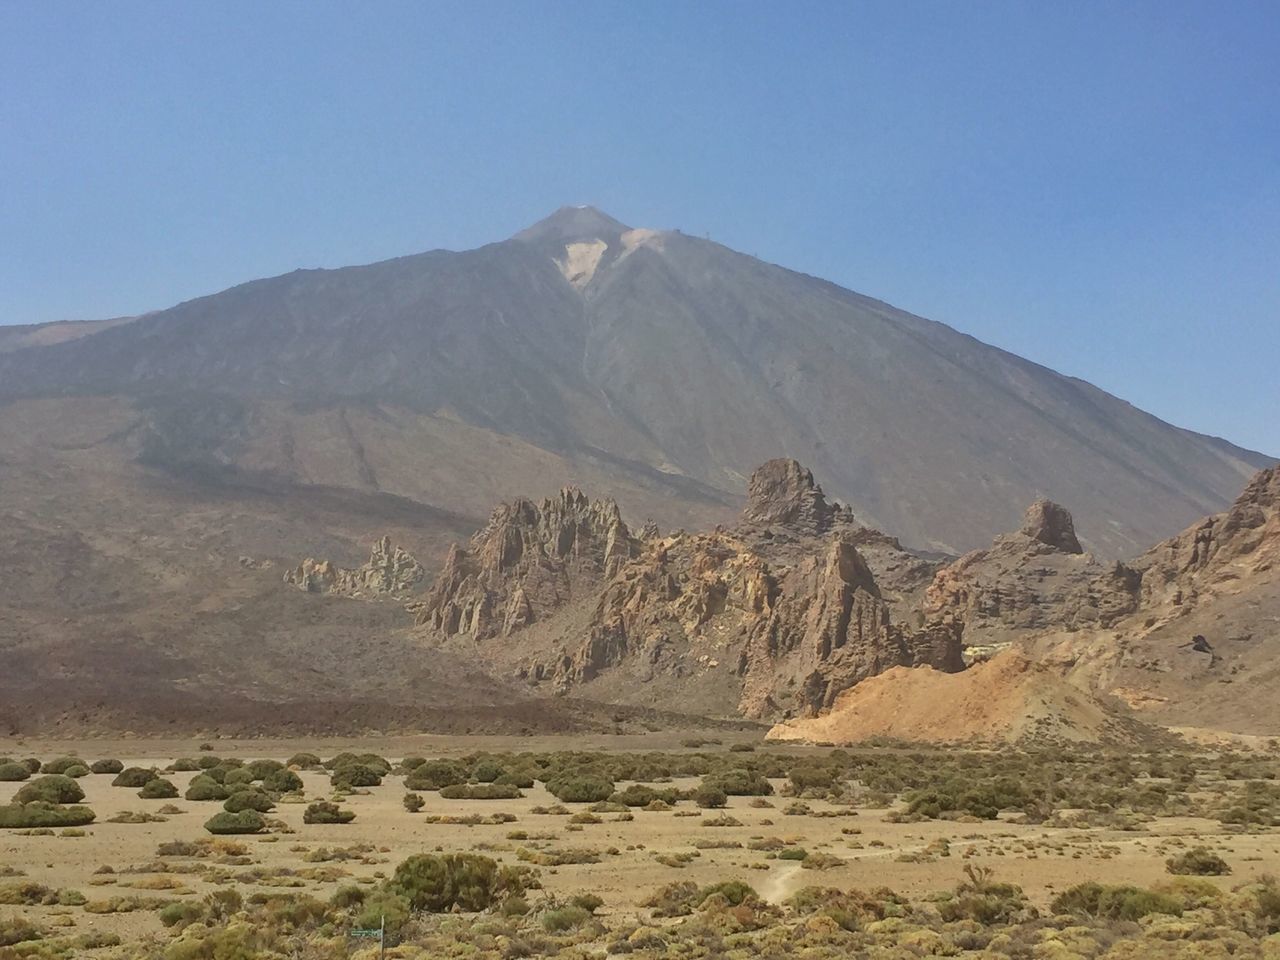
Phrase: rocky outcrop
{"type": "Point", "coordinates": [391, 571]}
{"type": "Point", "coordinates": [529, 561]}
{"type": "Point", "coordinates": [794, 610]}
{"type": "Point", "coordinates": [1051, 524]}
{"type": "Point", "coordinates": [782, 492]}
{"type": "Point", "coordinates": [1219, 552]}
{"type": "Point", "coordinates": [1035, 580]}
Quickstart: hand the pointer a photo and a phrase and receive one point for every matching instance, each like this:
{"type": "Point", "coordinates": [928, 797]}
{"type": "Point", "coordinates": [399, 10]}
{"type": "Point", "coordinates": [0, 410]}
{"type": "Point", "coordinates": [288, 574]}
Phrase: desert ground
{"type": "Point", "coordinates": [851, 836]}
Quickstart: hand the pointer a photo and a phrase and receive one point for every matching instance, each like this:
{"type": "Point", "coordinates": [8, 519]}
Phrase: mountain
{"type": "Point", "coordinates": [655, 366]}
{"type": "Point", "coordinates": [160, 474]}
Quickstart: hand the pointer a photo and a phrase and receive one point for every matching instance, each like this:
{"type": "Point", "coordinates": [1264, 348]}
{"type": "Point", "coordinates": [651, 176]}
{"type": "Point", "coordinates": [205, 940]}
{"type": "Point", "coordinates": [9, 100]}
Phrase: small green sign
{"type": "Point", "coordinates": [372, 934]}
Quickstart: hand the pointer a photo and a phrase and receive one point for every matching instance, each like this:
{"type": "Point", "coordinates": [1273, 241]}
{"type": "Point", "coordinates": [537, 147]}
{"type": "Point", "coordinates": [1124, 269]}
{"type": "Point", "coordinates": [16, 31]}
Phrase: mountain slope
{"type": "Point", "coordinates": [631, 361]}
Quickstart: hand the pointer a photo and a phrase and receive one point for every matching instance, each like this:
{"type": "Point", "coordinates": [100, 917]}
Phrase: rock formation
{"type": "Point", "coordinates": [1051, 524]}
{"type": "Point", "coordinates": [1035, 580]}
{"type": "Point", "coordinates": [783, 606]}
{"type": "Point", "coordinates": [1008, 699]}
{"type": "Point", "coordinates": [1218, 552]}
{"type": "Point", "coordinates": [529, 560]}
{"type": "Point", "coordinates": [782, 492]}
{"type": "Point", "coordinates": [390, 571]}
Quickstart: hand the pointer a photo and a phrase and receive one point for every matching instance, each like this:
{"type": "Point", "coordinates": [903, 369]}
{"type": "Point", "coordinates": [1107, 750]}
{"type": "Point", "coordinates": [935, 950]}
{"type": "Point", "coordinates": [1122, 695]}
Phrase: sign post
{"type": "Point", "coordinates": [378, 933]}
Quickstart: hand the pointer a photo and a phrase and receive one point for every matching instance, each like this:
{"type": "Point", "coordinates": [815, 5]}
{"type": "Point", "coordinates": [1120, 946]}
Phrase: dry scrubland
{"type": "Point", "coordinates": [729, 849]}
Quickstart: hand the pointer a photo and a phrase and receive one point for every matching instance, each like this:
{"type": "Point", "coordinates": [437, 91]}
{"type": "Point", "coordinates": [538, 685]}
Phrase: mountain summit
{"type": "Point", "coordinates": [652, 366]}
{"type": "Point", "coordinates": [574, 225]}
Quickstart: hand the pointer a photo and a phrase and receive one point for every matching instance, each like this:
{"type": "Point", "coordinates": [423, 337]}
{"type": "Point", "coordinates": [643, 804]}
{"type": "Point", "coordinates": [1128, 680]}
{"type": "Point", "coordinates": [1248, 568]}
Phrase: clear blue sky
{"type": "Point", "coordinates": [1095, 186]}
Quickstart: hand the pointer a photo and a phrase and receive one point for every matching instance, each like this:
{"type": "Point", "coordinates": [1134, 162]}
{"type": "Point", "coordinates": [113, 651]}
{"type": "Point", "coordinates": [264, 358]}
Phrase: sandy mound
{"type": "Point", "coordinates": [1007, 698]}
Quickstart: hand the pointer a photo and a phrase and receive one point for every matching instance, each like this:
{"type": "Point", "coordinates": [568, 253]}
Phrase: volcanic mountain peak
{"type": "Point", "coordinates": [574, 225]}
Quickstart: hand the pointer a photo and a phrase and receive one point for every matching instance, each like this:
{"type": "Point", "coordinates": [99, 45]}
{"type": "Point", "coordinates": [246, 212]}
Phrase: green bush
{"type": "Point", "coordinates": [61, 765]}
{"type": "Point", "coordinates": [304, 761]}
{"type": "Point", "coordinates": [639, 795]}
{"type": "Point", "coordinates": [741, 783]}
{"type": "Point", "coordinates": [206, 788]}
{"type": "Point", "coordinates": [180, 914]}
{"type": "Point", "coordinates": [54, 788]}
{"type": "Point", "coordinates": [134, 777]}
{"type": "Point", "coordinates": [246, 821]}
{"type": "Point", "coordinates": [355, 775]}
{"type": "Point", "coordinates": [16, 930]}
{"type": "Point", "coordinates": [486, 771]}
{"type": "Point", "coordinates": [261, 769]}
{"type": "Point", "coordinates": [435, 774]}
{"type": "Point", "coordinates": [584, 788]}
{"type": "Point", "coordinates": [481, 791]}
{"type": "Point", "coordinates": [464, 880]}
{"type": "Point", "coordinates": [413, 802]}
{"type": "Point", "coordinates": [1198, 862]}
{"type": "Point", "coordinates": [185, 765]}
{"type": "Point", "coordinates": [323, 811]}
{"type": "Point", "coordinates": [560, 919]}
{"type": "Point", "coordinates": [158, 789]}
{"type": "Point", "coordinates": [1114, 902]}
{"type": "Point", "coordinates": [254, 800]}
{"type": "Point", "coordinates": [13, 772]}
{"type": "Point", "coordinates": [237, 777]}
{"type": "Point", "coordinates": [282, 781]}
{"type": "Point", "coordinates": [709, 796]}
{"type": "Point", "coordinates": [76, 771]}
{"type": "Point", "coordinates": [106, 766]}
{"type": "Point", "coordinates": [39, 813]}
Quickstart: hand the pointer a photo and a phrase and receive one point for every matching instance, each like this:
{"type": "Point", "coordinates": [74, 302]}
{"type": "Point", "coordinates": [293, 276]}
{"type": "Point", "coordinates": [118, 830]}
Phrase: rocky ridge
{"type": "Point", "coordinates": [391, 571]}
{"type": "Point", "coordinates": [528, 561]}
{"type": "Point", "coordinates": [784, 602]}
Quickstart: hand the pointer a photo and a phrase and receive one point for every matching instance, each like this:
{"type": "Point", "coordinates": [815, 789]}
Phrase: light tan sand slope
{"type": "Point", "coordinates": [1004, 699]}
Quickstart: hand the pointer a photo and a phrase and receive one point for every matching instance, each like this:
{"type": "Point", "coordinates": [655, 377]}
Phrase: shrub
{"type": "Point", "coordinates": [39, 813]}
{"type": "Point", "coordinates": [355, 775]}
{"type": "Point", "coordinates": [106, 766]}
{"type": "Point", "coordinates": [1198, 862]}
{"type": "Point", "coordinates": [1114, 902]}
{"type": "Point", "coordinates": [741, 783]}
{"type": "Point", "coordinates": [236, 777]}
{"type": "Point", "coordinates": [261, 769]}
{"type": "Point", "coordinates": [344, 898]}
{"type": "Point", "coordinates": [158, 789]}
{"type": "Point", "coordinates": [134, 777]}
{"type": "Point", "coordinates": [639, 795]}
{"type": "Point", "coordinates": [61, 765]}
{"type": "Point", "coordinates": [254, 800]}
{"type": "Point", "coordinates": [54, 788]}
{"type": "Point", "coordinates": [304, 761]}
{"type": "Point", "coordinates": [13, 772]}
{"type": "Point", "coordinates": [435, 774]}
{"type": "Point", "coordinates": [206, 788]}
{"type": "Point", "coordinates": [486, 771]}
{"type": "Point", "coordinates": [282, 781]}
{"type": "Point", "coordinates": [383, 906]}
{"type": "Point", "coordinates": [323, 811]}
{"type": "Point", "coordinates": [180, 914]}
{"type": "Point", "coordinates": [185, 765]}
{"type": "Point", "coordinates": [413, 802]}
{"type": "Point", "coordinates": [464, 880]}
{"type": "Point", "coordinates": [580, 788]}
{"type": "Point", "coordinates": [14, 930]}
{"type": "Point", "coordinates": [560, 919]}
{"type": "Point", "coordinates": [708, 796]}
{"type": "Point", "coordinates": [246, 821]}
{"type": "Point", "coordinates": [76, 771]}
{"type": "Point", "coordinates": [481, 791]}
